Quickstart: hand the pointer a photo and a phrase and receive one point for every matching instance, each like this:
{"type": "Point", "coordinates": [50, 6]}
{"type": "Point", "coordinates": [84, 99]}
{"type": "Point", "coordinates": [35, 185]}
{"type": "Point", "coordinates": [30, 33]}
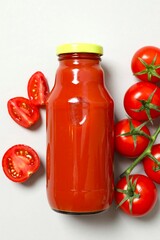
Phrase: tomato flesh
{"type": "Point", "coordinates": [38, 89]}
{"type": "Point", "coordinates": [20, 162]}
{"type": "Point", "coordinates": [23, 111]}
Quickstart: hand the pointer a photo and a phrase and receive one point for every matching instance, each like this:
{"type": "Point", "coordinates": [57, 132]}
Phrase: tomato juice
{"type": "Point", "coordinates": [79, 135]}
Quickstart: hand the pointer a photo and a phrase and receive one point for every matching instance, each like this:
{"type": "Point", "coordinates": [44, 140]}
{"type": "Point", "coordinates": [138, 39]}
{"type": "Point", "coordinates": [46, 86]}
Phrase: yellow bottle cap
{"type": "Point", "coordinates": [79, 47]}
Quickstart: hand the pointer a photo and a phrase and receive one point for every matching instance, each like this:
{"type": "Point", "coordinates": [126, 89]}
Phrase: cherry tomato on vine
{"type": "Point", "coordinates": [20, 162]}
{"type": "Point", "coordinates": [23, 111]}
{"type": "Point", "coordinates": [145, 64]}
{"type": "Point", "coordinates": [131, 137]}
{"type": "Point", "coordinates": [136, 196]}
{"type": "Point", "coordinates": [152, 164]}
{"type": "Point", "coordinates": [38, 89]}
{"type": "Point", "coordinates": [142, 101]}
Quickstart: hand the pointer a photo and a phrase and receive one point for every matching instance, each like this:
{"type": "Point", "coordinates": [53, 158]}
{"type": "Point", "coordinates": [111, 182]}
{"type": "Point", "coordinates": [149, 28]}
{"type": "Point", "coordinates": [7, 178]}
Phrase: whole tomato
{"type": "Point", "coordinates": [142, 101]}
{"type": "Point", "coordinates": [152, 168]}
{"type": "Point", "coordinates": [145, 64]}
{"type": "Point", "coordinates": [131, 137]}
{"type": "Point", "coordinates": [136, 196]}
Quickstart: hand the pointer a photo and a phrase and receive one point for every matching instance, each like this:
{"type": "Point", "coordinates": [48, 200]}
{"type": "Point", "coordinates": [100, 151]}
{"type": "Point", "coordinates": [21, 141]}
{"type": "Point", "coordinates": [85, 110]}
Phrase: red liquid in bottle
{"type": "Point", "coordinates": [79, 137]}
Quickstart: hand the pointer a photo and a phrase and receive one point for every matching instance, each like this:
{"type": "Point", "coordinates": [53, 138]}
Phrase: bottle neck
{"type": "Point", "coordinates": [79, 68]}
{"type": "Point", "coordinates": [79, 58]}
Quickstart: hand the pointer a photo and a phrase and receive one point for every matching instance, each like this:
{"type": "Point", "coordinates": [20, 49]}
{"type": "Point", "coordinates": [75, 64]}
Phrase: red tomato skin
{"type": "Point", "coordinates": [38, 89]}
{"type": "Point", "coordinates": [149, 164]}
{"type": "Point", "coordinates": [146, 53]}
{"type": "Point", "coordinates": [20, 159]}
{"type": "Point", "coordinates": [141, 91]}
{"type": "Point", "coordinates": [148, 195]}
{"type": "Point", "coordinates": [23, 112]}
{"type": "Point", "coordinates": [125, 144]}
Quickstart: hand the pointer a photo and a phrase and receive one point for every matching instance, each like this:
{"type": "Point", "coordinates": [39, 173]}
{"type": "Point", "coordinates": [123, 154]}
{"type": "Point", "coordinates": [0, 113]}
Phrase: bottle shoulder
{"type": "Point", "coordinates": [93, 94]}
{"type": "Point", "coordinates": [83, 82]}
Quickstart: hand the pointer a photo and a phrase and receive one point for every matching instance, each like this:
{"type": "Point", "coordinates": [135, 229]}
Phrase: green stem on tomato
{"type": "Point", "coordinates": [154, 159]}
{"type": "Point", "coordinates": [147, 152]}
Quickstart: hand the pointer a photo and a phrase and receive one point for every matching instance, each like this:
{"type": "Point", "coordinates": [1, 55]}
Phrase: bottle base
{"type": "Point", "coordinates": [77, 213]}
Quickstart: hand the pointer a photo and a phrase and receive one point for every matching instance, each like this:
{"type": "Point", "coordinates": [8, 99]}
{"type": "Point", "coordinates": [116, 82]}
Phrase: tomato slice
{"type": "Point", "coordinates": [38, 89]}
{"type": "Point", "coordinates": [23, 111]}
{"type": "Point", "coordinates": [20, 162]}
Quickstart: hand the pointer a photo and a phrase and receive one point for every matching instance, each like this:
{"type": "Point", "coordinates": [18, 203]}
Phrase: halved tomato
{"type": "Point", "coordinates": [23, 111]}
{"type": "Point", "coordinates": [20, 162]}
{"type": "Point", "coordinates": [38, 89]}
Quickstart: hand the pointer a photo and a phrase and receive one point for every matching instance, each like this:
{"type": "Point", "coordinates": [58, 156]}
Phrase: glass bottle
{"type": "Point", "coordinates": [79, 133]}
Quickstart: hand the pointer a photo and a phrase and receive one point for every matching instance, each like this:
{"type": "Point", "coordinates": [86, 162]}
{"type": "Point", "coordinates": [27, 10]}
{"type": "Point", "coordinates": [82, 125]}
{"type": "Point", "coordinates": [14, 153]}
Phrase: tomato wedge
{"type": "Point", "coordinates": [20, 162]}
{"type": "Point", "coordinates": [23, 111]}
{"type": "Point", "coordinates": [38, 89]}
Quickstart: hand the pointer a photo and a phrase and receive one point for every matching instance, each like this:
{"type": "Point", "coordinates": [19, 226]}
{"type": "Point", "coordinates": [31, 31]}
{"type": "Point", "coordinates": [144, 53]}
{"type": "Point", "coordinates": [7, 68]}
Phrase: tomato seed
{"type": "Point", "coordinates": [24, 105]}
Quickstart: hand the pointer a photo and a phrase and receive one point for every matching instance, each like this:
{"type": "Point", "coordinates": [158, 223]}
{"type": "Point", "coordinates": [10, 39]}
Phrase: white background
{"type": "Point", "coordinates": [30, 30]}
